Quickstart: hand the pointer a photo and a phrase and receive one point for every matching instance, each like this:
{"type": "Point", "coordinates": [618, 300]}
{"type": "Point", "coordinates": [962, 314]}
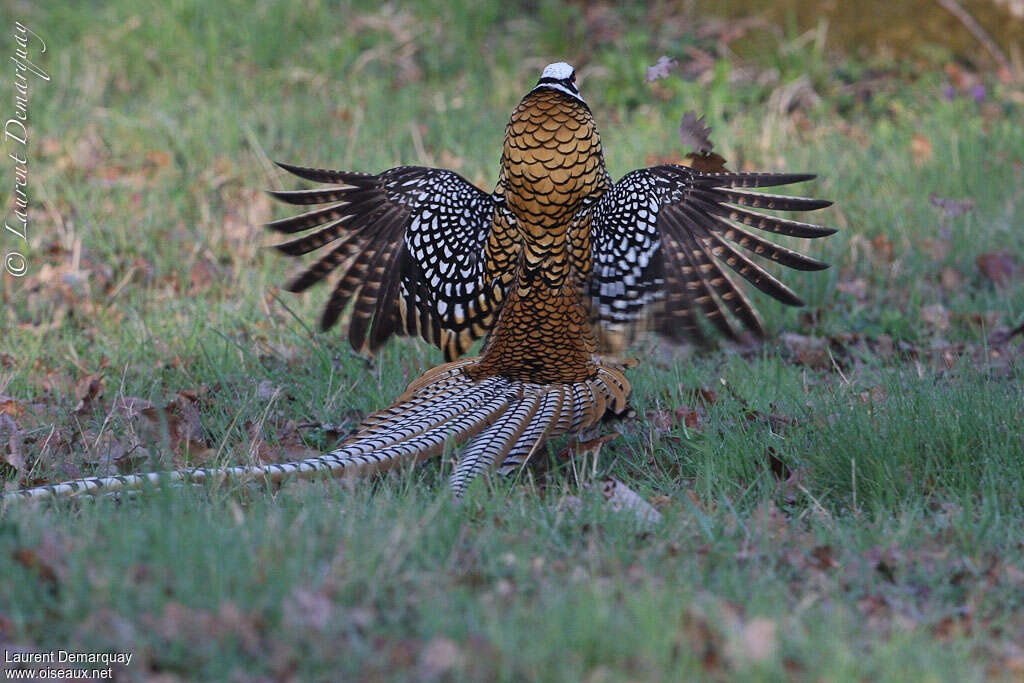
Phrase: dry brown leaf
{"type": "Point", "coordinates": [999, 267]}
{"type": "Point", "coordinates": [307, 610]}
{"type": "Point", "coordinates": [758, 639]}
{"type": "Point", "coordinates": [661, 69]}
{"type": "Point", "coordinates": [621, 498]}
{"type": "Point", "coordinates": [809, 351]}
{"type": "Point", "coordinates": [438, 659]}
{"type": "Point", "coordinates": [705, 162]}
{"type": "Point", "coordinates": [11, 408]}
{"type": "Point", "coordinates": [882, 248]}
{"type": "Point", "coordinates": [667, 420]}
{"type": "Point", "coordinates": [88, 390]}
{"type": "Point", "coordinates": [204, 275]}
{"type": "Point", "coordinates": [698, 635]}
{"type": "Point", "coordinates": [777, 466]}
{"type": "Point", "coordinates": [857, 288]}
{"type": "Point", "coordinates": [180, 422]}
{"type": "Point", "coordinates": [952, 207]}
{"type": "Point", "coordinates": [951, 279]}
{"type": "Point", "coordinates": [130, 406]}
{"type": "Point", "coordinates": [13, 452]}
{"type": "Point", "coordinates": [47, 559]}
{"type": "Point", "coordinates": [823, 557]}
{"type": "Point", "coordinates": [936, 316]}
{"type": "Point", "coordinates": [921, 149]}
{"type": "Point", "coordinates": [694, 135]}
{"type": "Point", "coordinates": [593, 446]}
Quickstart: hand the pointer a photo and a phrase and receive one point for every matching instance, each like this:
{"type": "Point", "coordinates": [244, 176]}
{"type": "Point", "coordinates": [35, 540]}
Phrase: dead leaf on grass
{"type": "Point", "coordinates": [583, 448]}
{"type": "Point", "coordinates": [999, 267]}
{"type": "Point", "coordinates": [882, 248]}
{"type": "Point", "coordinates": [46, 559]}
{"type": "Point", "coordinates": [661, 69]}
{"type": "Point", "coordinates": [921, 149]}
{"type": "Point", "coordinates": [88, 391]}
{"type": "Point", "coordinates": [823, 557]}
{"type": "Point", "coordinates": [438, 659]}
{"type": "Point", "coordinates": [287, 446]}
{"type": "Point", "coordinates": [12, 444]}
{"type": "Point", "coordinates": [621, 498]}
{"type": "Point", "coordinates": [178, 423]}
{"type": "Point", "coordinates": [758, 640]}
{"type": "Point", "coordinates": [667, 420]}
{"type": "Point", "coordinates": [305, 609]}
{"type": "Point", "coordinates": [705, 162]}
{"type": "Point", "coordinates": [694, 134]}
{"type": "Point", "coordinates": [809, 351]}
{"type": "Point", "coordinates": [952, 207]}
{"type": "Point", "coordinates": [936, 316]}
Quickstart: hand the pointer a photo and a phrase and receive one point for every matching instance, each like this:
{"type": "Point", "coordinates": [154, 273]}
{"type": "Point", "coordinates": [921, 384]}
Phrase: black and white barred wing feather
{"type": "Point", "coordinates": [407, 246]}
{"type": "Point", "coordinates": [662, 235]}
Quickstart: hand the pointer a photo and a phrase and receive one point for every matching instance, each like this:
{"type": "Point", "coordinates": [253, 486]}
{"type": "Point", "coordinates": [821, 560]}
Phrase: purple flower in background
{"type": "Point", "coordinates": [978, 93]}
{"type": "Point", "coordinates": [948, 92]}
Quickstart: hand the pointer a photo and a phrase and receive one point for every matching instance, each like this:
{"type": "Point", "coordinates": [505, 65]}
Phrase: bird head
{"type": "Point", "coordinates": [562, 77]}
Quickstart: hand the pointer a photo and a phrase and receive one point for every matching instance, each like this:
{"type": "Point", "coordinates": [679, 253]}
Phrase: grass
{"type": "Point", "coordinates": [847, 506]}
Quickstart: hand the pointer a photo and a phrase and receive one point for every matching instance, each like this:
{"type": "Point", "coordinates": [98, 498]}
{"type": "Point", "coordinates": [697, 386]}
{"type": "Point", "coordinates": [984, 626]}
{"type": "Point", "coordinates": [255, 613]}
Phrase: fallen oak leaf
{"type": "Point", "coordinates": [572, 451]}
{"type": "Point", "coordinates": [621, 498]}
{"type": "Point", "coordinates": [1004, 335]}
{"type": "Point", "coordinates": [705, 162]}
{"type": "Point", "coordinates": [921, 149]}
{"type": "Point", "coordinates": [14, 453]}
{"type": "Point", "coordinates": [438, 659]}
{"type": "Point", "coordinates": [88, 390]}
{"type": "Point", "coordinates": [952, 207]}
{"type": "Point", "coordinates": [758, 640]}
{"type": "Point", "coordinates": [46, 559]}
{"type": "Point", "coordinates": [179, 424]}
{"type": "Point", "coordinates": [694, 135]}
{"type": "Point", "coordinates": [936, 316]}
{"type": "Point", "coordinates": [778, 467]}
{"type": "Point", "coordinates": [823, 557]}
{"type": "Point", "coordinates": [10, 407]}
{"type": "Point", "coordinates": [999, 267]}
{"type": "Point", "coordinates": [666, 420]}
{"type": "Point", "coordinates": [661, 69]}
{"type": "Point", "coordinates": [131, 406]}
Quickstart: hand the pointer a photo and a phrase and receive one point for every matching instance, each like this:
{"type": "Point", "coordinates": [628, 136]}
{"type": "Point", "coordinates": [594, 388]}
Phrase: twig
{"type": "Point", "coordinates": [979, 33]}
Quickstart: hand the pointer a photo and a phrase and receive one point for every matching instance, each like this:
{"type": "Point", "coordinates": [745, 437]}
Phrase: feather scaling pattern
{"type": "Point", "coordinates": [555, 267]}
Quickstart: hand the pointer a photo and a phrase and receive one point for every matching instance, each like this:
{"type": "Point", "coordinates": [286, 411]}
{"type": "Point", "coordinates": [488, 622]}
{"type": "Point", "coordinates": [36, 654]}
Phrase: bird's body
{"type": "Point", "coordinates": [555, 259]}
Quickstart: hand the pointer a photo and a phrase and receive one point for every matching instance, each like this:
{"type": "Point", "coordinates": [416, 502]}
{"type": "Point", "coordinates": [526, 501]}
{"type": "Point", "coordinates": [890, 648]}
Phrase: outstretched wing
{"type": "Point", "coordinates": [407, 245]}
{"type": "Point", "coordinates": [661, 236]}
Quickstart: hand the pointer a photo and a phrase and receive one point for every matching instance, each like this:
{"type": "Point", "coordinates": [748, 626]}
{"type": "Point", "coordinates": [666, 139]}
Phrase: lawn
{"type": "Point", "coordinates": [843, 503]}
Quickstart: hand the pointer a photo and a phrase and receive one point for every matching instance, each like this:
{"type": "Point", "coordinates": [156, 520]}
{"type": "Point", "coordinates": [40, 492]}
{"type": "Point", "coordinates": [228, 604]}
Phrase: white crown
{"type": "Point", "coordinates": [558, 71]}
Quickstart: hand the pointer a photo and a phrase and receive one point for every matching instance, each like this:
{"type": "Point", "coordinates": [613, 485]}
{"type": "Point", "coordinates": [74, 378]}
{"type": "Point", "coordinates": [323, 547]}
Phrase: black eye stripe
{"type": "Point", "coordinates": [566, 82]}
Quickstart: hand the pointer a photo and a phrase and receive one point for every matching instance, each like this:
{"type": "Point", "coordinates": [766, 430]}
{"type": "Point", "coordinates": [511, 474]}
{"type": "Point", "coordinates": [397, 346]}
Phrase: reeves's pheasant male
{"type": "Point", "coordinates": [557, 266]}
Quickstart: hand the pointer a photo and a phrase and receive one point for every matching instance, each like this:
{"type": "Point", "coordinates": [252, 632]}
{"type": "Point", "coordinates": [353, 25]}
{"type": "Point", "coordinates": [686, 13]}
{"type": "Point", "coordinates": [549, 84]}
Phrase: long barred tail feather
{"type": "Point", "coordinates": [503, 420]}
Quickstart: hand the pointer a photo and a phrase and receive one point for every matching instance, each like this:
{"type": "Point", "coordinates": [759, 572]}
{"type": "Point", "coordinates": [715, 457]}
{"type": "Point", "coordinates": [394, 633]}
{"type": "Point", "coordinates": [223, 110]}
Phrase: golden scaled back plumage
{"type": "Point", "coordinates": [552, 160]}
{"type": "Point", "coordinates": [551, 163]}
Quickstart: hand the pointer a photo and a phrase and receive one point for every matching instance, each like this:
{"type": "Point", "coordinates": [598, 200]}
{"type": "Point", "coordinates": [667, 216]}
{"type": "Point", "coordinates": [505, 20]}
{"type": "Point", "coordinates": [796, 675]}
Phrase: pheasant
{"type": "Point", "coordinates": [557, 267]}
